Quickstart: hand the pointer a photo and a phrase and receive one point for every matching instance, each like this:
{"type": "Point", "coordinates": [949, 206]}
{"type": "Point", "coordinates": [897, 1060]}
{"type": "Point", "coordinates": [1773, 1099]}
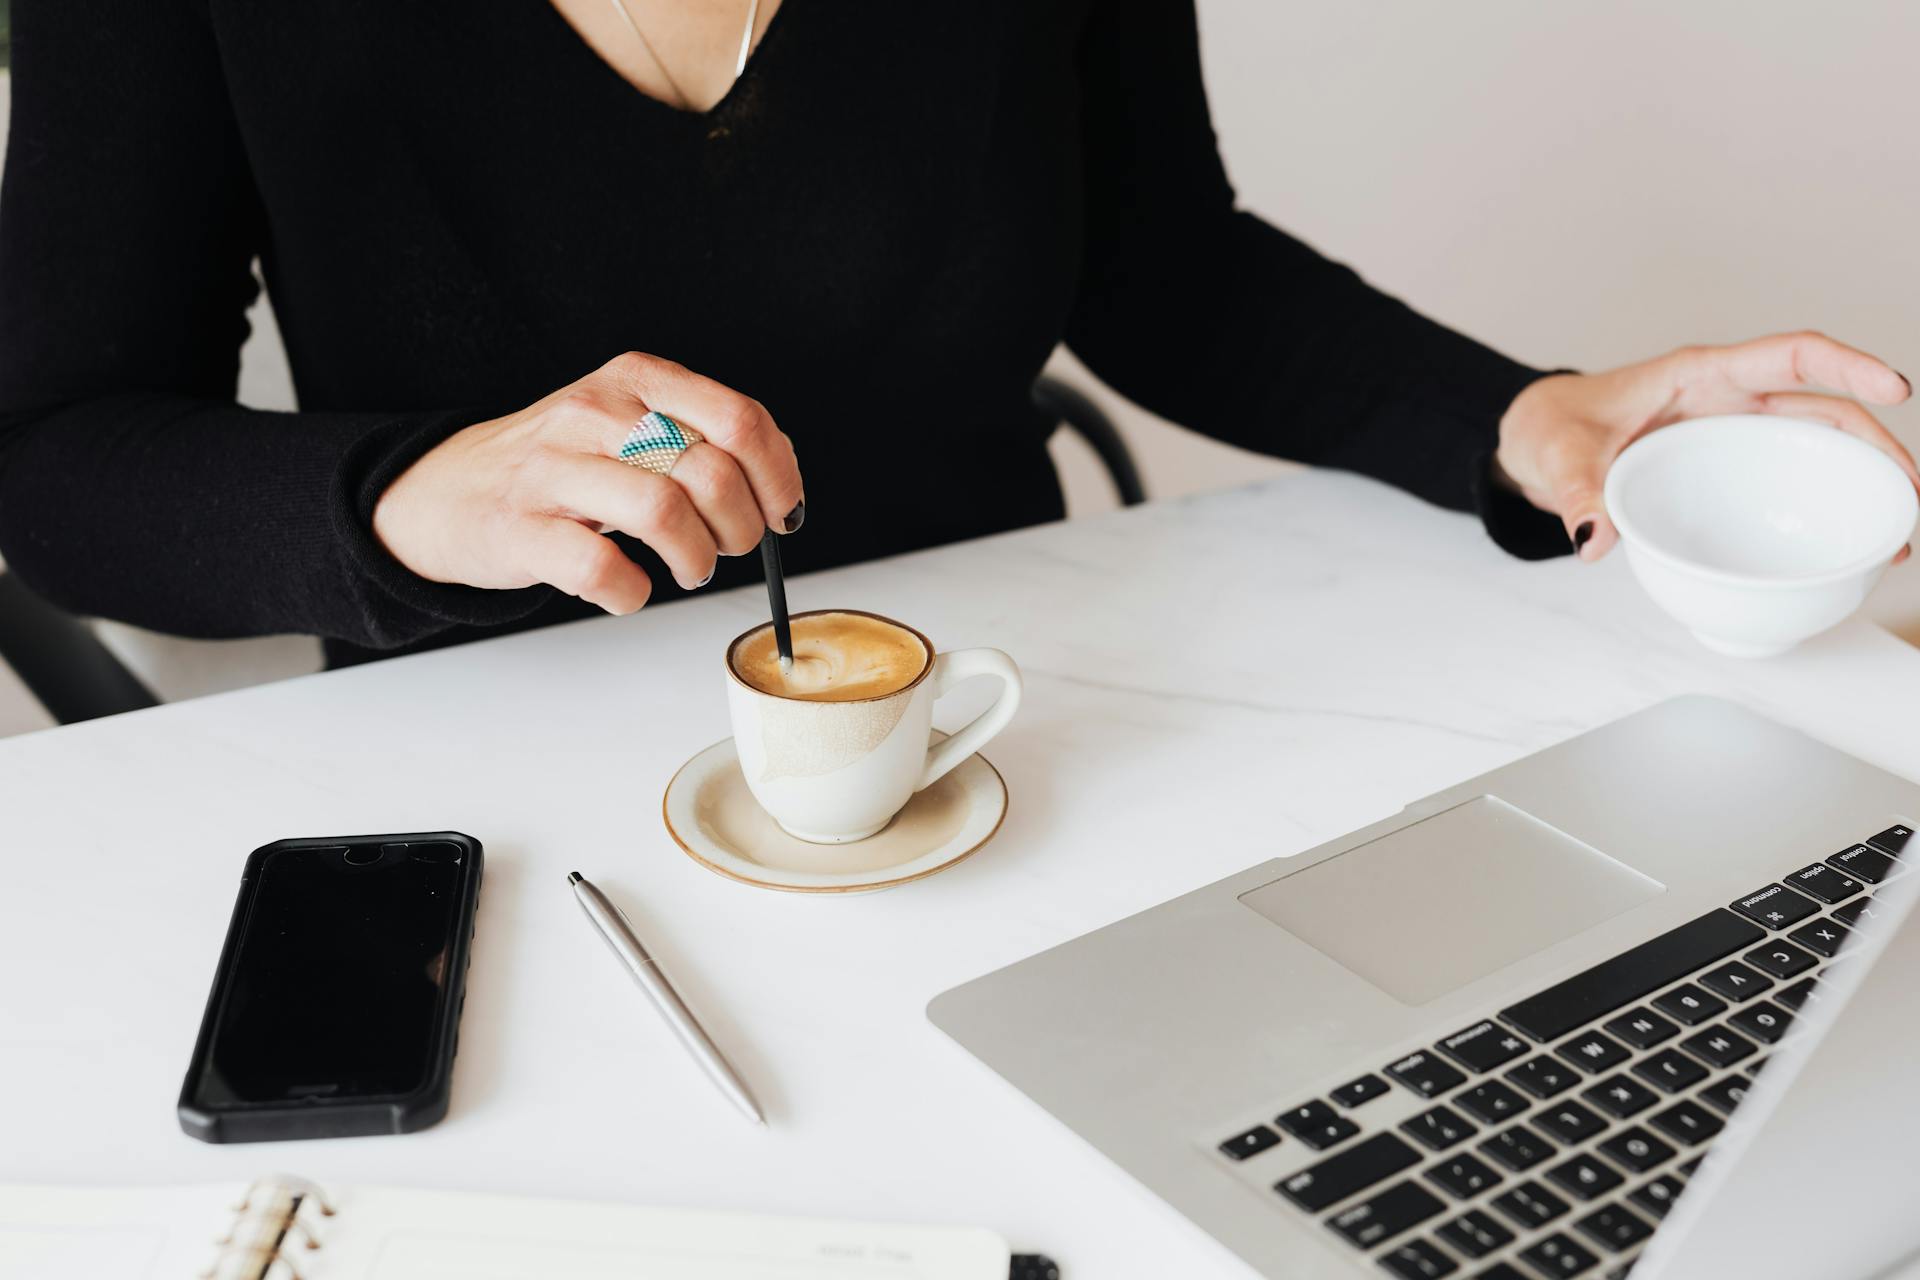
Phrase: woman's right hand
{"type": "Point", "coordinates": [524, 499]}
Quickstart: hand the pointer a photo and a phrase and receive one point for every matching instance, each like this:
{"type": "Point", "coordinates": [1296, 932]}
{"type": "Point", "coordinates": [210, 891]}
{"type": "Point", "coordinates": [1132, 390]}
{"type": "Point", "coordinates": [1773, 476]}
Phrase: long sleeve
{"type": "Point", "coordinates": [1209, 316]}
{"type": "Point", "coordinates": [131, 484]}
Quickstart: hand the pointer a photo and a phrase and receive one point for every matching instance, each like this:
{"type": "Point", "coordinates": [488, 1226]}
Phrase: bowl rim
{"type": "Point", "coordinates": [1643, 452]}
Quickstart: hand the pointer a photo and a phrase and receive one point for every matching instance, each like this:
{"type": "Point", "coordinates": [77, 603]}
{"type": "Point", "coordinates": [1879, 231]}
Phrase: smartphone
{"type": "Point", "coordinates": [335, 1010]}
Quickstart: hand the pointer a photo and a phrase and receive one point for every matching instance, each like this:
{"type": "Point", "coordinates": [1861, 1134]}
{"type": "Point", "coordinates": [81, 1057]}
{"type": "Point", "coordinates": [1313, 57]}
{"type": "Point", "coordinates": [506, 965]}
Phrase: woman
{"type": "Point", "coordinates": [878, 232]}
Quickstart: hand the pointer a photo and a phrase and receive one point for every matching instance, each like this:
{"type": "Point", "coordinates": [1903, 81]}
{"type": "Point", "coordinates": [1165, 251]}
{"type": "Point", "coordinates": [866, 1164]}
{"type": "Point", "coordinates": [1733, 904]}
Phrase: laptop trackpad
{"type": "Point", "coordinates": [1451, 898]}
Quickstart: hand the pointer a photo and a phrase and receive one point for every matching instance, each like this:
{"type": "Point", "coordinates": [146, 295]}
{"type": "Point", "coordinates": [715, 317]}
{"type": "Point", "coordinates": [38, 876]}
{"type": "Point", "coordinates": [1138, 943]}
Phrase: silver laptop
{"type": "Point", "coordinates": [1580, 1014]}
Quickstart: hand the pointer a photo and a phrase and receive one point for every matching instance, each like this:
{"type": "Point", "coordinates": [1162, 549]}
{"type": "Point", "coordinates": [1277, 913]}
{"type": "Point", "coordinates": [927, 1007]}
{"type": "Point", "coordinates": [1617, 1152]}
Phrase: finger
{"type": "Point", "coordinates": [1809, 360]}
{"type": "Point", "coordinates": [566, 554]}
{"type": "Point", "coordinates": [733, 423]}
{"type": "Point", "coordinates": [1846, 415]}
{"type": "Point", "coordinates": [722, 496]}
{"type": "Point", "coordinates": [640, 504]}
{"type": "Point", "coordinates": [1903, 553]}
{"type": "Point", "coordinates": [1573, 472]}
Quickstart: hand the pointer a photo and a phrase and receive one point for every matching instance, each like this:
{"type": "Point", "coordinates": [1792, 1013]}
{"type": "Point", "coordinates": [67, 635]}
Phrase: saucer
{"type": "Point", "coordinates": [713, 816]}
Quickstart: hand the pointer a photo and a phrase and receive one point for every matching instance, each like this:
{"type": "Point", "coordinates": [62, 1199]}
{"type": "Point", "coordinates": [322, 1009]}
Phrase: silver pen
{"type": "Point", "coordinates": [618, 932]}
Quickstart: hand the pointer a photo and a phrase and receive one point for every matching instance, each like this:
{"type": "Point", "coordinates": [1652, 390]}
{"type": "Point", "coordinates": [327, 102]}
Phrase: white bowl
{"type": "Point", "coordinates": [1755, 531]}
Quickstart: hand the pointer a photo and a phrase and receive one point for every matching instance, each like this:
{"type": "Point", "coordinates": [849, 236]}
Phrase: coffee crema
{"type": "Point", "coordinates": [837, 657]}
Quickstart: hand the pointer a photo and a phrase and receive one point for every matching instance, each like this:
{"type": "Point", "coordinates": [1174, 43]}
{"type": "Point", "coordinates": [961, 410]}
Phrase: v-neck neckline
{"type": "Point", "coordinates": [580, 48]}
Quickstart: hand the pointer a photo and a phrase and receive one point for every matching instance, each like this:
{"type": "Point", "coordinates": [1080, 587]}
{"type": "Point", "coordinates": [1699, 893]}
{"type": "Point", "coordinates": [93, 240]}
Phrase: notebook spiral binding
{"type": "Point", "coordinates": [269, 1231]}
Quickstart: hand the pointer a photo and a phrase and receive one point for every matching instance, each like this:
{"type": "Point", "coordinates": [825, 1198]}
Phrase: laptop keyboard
{"type": "Point", "coordinates": [1549, 1140]}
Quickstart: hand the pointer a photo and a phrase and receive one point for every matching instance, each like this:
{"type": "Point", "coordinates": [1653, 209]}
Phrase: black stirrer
{"type": "Point", "coordinates": [777, 597]}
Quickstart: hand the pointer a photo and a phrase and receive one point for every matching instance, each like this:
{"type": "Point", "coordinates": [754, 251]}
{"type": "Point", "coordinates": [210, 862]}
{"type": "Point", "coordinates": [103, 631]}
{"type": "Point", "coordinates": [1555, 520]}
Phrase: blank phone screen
{"type": "Point", "coordinates": [337, 985]}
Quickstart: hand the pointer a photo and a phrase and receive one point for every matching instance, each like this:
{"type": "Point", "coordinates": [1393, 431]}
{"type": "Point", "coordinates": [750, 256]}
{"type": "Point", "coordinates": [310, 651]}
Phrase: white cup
{"type": "Point", "coordinates": [1756, 531]}
{"type": "Point", "coordinates": [832, 772]}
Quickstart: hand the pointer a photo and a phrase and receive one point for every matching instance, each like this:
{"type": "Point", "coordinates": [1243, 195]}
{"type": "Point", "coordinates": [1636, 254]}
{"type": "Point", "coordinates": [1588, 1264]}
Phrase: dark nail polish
{"type": "Point", "coordinates": [1582, 536]}
{"type": "Point", "coordinates": [795, 518]}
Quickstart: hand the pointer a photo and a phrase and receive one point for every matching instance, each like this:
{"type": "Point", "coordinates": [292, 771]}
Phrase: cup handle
{"type": "Point", "coordinates": [949, 669]}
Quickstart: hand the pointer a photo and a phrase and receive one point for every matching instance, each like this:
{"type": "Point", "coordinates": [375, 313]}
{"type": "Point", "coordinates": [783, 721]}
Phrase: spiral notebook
{"type": "Point", "coordinates": [284, 1227]}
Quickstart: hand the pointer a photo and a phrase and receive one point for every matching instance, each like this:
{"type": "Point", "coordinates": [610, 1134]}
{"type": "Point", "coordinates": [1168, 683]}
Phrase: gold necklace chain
{"type": "Point", "coordinates": [739, 65]}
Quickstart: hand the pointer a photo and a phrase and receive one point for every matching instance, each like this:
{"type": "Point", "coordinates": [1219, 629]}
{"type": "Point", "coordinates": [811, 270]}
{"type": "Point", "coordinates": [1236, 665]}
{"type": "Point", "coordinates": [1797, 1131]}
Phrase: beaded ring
{"type": "Point", "coordinates": [656, 443]}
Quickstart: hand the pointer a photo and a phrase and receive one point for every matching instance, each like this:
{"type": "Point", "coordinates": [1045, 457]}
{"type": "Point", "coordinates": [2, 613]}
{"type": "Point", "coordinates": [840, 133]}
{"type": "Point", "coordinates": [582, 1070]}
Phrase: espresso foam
{"type": "Point", "coordinates": [837, 657]}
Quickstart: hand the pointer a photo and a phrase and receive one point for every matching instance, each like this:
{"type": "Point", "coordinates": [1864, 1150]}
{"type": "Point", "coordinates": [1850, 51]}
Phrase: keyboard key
{"type": "Point", "coordinates": [1558, 1255]}
{"type": "Point", "coordinates": [1657, 1197]}
{"type": "Point", "coordinates": [1687, 1121]}
{"type": "Point", "coordinates": [1724, 1095]}
{"type": "Point", "coordinates": [1797, 995]}
{"type": "Point", "coordinates": [1863, 863]}
{"type": "Point", "coordinates": [1356, 1093]}
{"type": "Point", "coordinates": [1642, 1028]}
{"type": "Point", "coordinates": [1823, 936]}
{"type": "Point", "coordinates": [1475, 1234]}
{"type": "Point", "coordinates": [1439, 1128]}
{"type": "Point", "coordinates": [1584, 1177]}
{"type": "Point", "coordinates": [1530, 1205]}
{"type": "Point", "coordinates": [1594, 1052]}
{"type": "Point", "coordinates": [1615, 1228]}
{"type": "Point", "coordinates": [1315, 1124]}
{"type": "Point", "coordinates": [1764, 1021]}
{"type": "Point", "coordinates": [1463, 1176]}
{"type": "Point", "coordinates": [1500, 1271]}
{"type": "Point", "coordinates": [1570, 1122]}
{"type": "Point", "coordinates": [1893, 840]}
{"type": "Point", "coordinates": [1823, 882]}
{"type": "Point", "coordinates": [1670, 1070]}
{"type": "Point", "coordinates": [1690, 1004]}
{"type": "Point", "coordinates": [1621, 1095]}
{"type": "Point", "coordinates": [1636, 1150]}
{"type": "Point", "coordinates": [1491, 1102]}
{"type": "Point", "coordinates": [1426, 1074]}
{"type": "Point", "coordinates": [1856, 911]}
{"type": "Point", "coordinates": [1632, 974]}
{"type": "Point", "coordinates": [1250, 1143]}
{"type": "Point", "coordinates": [1719, 1047]}
{"type": "Point", "coordinates": [1781, 959]}
{"type": "Point", "coordinates": [1386, 1215]}
{"type": "Point", "coordinates": [1775, 906]}
{"type": "Point", "coordinates": [1517, 1148]}
{"type": "Point", "coordinates": [1337, 1177]}
{"type": "Point", "coordinates": [1735, 981]}
{"type": "Point", "coordinates": [1417, 1260]}
{"type": "Point", "coordinates": [1690, 1168]}
{"type": "Point", "coordinates": [1483, 1046]}
{"type": "Point", "coordinates": [1543, 1077]}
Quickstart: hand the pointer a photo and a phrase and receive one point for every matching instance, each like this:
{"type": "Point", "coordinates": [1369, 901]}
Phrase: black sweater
{"type": "Point", "coordinates": [880, 233]}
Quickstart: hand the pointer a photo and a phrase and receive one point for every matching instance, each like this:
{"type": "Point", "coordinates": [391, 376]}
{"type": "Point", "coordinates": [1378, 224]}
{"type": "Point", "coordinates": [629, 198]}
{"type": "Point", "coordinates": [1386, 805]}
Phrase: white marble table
{"type": "Point", "coordinates": [1210, 683]}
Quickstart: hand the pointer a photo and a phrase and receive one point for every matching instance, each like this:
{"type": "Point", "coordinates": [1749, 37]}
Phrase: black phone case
{"type": "Point", "coordinates": [348, 1118]}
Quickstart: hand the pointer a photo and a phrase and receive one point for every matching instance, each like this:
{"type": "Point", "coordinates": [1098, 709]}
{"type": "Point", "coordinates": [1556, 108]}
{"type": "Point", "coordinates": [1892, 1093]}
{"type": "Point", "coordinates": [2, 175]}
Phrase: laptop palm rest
{"type": "Point", "coordinates": [1450, 899]}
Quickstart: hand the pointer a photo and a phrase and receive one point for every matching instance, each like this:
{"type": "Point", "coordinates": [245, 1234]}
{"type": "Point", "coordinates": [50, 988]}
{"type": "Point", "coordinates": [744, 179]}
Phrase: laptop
{"type": "Point", "coordinates": [1644, 1000]}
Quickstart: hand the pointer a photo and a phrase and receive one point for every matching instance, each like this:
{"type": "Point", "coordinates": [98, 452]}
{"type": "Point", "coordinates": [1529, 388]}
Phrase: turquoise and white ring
{"type": "Point", "coordinates": [656, 443]}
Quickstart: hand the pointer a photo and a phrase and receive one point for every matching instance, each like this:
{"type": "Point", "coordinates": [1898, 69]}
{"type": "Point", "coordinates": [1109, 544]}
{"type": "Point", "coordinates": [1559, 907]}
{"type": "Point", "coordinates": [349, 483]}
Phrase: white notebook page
{"type": "Point", "coordinates": [144, 1234]}
{"type": "Point", "coordinates": [382, 1233]}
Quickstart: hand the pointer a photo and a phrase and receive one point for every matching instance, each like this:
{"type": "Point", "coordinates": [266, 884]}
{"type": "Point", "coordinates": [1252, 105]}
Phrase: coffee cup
{"type": "Point", "coordinates": [834, 748]}
{"type": "Point", "coordinates": [1755, 531]}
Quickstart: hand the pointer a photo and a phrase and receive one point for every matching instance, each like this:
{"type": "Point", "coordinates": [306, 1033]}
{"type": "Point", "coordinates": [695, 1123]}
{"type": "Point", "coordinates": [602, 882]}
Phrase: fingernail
{"type": "Point", "coordinates": [1904, 378]}
{"type": "Point", "coordinates": [709, 578]}
{"type": "Point", "coordinates": [1582, 536]}
{"type": "Point", "coordinates": [795, 518]}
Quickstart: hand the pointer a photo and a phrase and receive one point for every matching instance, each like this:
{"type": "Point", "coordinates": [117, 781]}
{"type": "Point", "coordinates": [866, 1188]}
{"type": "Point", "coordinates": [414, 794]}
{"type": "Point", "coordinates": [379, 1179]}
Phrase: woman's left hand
{"type": "Point", "coordinates": [1561, 434]}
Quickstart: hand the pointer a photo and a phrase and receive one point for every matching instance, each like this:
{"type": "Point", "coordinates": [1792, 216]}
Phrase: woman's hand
{"type": "Point", "coordinates": [524, 499]}
{"type": "Point", "coordinates": [1561, 434]}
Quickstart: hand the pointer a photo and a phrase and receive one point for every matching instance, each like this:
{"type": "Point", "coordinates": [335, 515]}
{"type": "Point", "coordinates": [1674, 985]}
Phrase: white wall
{"type": "Point", "coordinates": [1580, 183]}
